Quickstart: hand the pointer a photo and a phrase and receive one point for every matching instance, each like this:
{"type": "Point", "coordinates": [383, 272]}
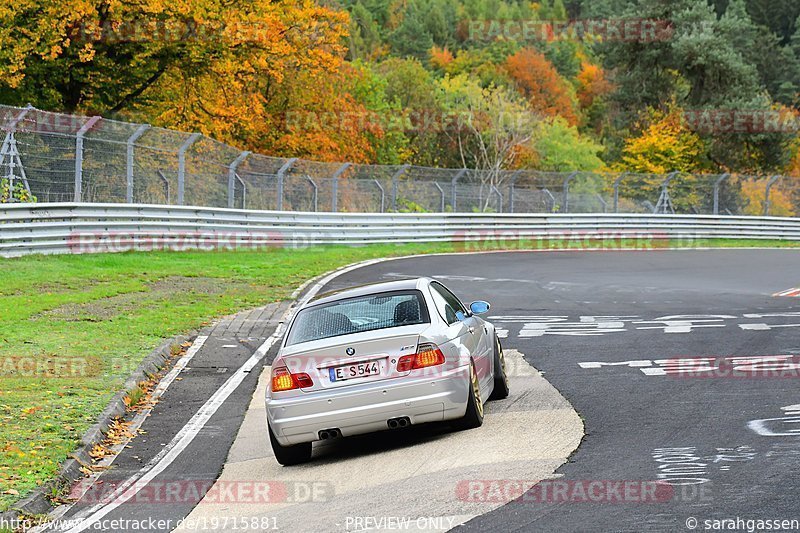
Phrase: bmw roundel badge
{"type": "Point", "coordinates": [350, 351]}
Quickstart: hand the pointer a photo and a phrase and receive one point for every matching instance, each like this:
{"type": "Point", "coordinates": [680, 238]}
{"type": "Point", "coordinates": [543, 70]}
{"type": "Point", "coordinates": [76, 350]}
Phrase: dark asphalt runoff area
{"type": "Point", "coordinates": [672, 358]}
{"type": "Point", "coordinates": [684, 422]}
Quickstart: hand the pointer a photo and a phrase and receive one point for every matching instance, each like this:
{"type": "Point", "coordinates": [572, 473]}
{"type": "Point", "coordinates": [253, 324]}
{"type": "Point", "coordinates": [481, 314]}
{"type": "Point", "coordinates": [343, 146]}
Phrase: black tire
{"type": "Point", "coordinates": [473, 418]}
{"type": "Point", "coordinates": [289, 455]}
{"type": "Point", "coordinates": [500, 391]}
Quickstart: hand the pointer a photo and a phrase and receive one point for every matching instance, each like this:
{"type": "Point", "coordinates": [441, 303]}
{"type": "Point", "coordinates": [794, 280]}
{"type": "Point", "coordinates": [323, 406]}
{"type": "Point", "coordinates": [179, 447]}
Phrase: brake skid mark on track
{"type": "Point", "coordinates": [414, 477]}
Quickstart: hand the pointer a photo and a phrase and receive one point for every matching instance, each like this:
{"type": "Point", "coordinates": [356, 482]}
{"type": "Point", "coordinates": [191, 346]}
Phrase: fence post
{"type": "Point", "coordinates": [232, 176]}
{"type": "Point", "coordinates": [499, 197]}
{"type": "Point", "coordinates": [182, 164]}
{"type": "Point", "coordinates": [383, 194]}
{"type": "Point", "coordinates": [316, 191]}
{"type": "Point", "coordinates": [616, 190]}
{"type": "Point", "coordinates": [566, 191]}
{"type": "Point", "coordinates": [281, 171]}
{"type": "Point", "coordinates": [716, 191]}
{"type": "Point", "coordinates": [552, 199]}
{"type": "Point", "coordinates": [454, 189]}
{"type": "Point", "coordinates": [13, 153]}
{"type": "Point", "coordinates": [335, 186]}
{"type": "Point", "coordinates": [395, 177]}
{"type": "Point", "coordinates": [79, 156]}
{"type": "Point", "coordinates": [664, 204]}
{"type": "Point", "coordinates": [165, 181]}
{"type": "Point", "coordinates": [129, 161]}
{"type": "Point", "coordinates": [511, 184]}
{"type": "Point", "coordinates": [603, 203]}
{"type": "Point", "coordinates": [770, 183]}
{"type": "Point", "coordinates": [441, 195]}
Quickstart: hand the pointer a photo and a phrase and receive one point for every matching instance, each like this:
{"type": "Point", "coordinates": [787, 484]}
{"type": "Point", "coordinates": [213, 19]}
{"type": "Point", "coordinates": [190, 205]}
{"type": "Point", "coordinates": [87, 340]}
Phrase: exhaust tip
{"type": "Point", "coordinates": [401, 422]}
{"type": "Point", "coordinates": [327, 434]}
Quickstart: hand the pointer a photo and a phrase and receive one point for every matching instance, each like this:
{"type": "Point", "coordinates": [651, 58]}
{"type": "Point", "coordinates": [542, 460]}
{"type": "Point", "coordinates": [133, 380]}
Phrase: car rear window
{"type": "Point", "coordinates": [355, 315]}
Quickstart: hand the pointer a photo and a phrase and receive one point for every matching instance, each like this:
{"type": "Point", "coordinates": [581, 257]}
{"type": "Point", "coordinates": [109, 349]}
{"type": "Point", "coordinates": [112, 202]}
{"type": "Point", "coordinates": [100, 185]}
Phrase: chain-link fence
{"type": "Point", "coordinates": [57, 158]}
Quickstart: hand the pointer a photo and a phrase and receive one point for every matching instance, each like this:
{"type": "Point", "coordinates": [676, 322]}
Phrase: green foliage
{"type": "Point", "coordinates": [19, 194]}
{"type": "Point", "coordinates": [561, 148]}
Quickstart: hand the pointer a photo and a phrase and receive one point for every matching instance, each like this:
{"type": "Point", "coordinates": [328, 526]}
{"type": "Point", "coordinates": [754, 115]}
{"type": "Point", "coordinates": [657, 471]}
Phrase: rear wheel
{"type": "Point", "coordinates": [500, 391]}
{"type": "Point", "coordinates": [473, 418]}
{"type": "Point", "coordinates": [289, 455]}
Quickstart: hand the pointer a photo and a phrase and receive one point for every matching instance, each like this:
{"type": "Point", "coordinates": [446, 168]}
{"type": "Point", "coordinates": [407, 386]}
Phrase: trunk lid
{"type": "Point", "coordinates": [353, 359]}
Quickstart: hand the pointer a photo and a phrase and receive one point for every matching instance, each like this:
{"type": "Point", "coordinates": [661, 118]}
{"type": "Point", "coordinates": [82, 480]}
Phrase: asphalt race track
{"type": "Point", "coordinates": [683, 366]}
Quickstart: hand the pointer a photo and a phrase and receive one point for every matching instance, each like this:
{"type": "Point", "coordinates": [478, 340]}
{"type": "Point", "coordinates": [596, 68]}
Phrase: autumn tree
{"type": "Point", "coordinates": [540, 83]}
{"type": "Point", "coordinates": [106, 56]}
{"type": "Point", "coordinates": [492, 125]}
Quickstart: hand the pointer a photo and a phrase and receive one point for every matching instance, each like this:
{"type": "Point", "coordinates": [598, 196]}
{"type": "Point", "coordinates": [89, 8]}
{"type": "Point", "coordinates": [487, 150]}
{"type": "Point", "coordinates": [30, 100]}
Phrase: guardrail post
{"type": "Point", "coordinates": [79, 156]}
{"type": "Point", "coordinates": [232, 177]}
{"type": "Point", "coordinates": [454, 188]}
{"type": "Point", "coordinates": [569, 178]}
{"type": "Point", "coordinates": [316, 191]}
{"type": "Point", "coordinates": [716, 191]}
{"type": "Point", "coordinates": [182, 164]}
{"type": "Point", "coordinates": [395, 177]}
{"type": "Point", "coordinates": [616, 190]}
{"type": "Point", "coordinates": [383, 194]}
{"type": "Point", "coordinates": [281, 171]}
{"type": "Point", "coordinates": [335, 186]}
{"type": "Point", "coordinates": [770, 183]}
{"type": "Point", "coordinates": [129, 161]}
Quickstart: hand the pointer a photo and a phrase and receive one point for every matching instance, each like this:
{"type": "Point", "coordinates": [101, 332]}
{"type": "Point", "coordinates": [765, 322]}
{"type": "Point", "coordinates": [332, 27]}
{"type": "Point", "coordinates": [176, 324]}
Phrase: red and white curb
{"type": "Point", "coordinates": [790, 293]}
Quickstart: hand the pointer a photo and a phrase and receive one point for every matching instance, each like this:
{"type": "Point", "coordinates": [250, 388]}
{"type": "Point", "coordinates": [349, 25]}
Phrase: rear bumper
{"type": "Point", "coordinates": [366, 408]}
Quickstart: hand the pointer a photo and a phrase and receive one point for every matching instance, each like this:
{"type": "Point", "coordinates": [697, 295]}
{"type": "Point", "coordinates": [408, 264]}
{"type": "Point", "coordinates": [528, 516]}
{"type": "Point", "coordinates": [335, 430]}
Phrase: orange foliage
{"type": "Point", "coordinates": [324, 121]}
{"type": "Point", "coordinates": [754, 191]}
{"type": "Point", "coordinates": [441, 57]}
{"type": "Point", "coordinates": [592, 83]}
{"type": "Point", "coordinates": [538, 80]}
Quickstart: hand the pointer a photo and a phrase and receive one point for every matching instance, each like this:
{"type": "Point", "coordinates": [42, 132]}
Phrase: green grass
{"type": "Point", "coordinates": [72, 328]}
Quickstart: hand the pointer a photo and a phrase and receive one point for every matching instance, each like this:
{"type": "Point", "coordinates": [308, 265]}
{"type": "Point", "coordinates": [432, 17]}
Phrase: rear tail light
{"type": "Point", "coordinates": [427, 355]}
{"type": "Point", "coordinates": [283, 380]}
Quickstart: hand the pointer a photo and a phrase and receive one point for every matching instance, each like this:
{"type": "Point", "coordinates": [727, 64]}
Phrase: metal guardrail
{"type": "Point", "coordinates": [60, 228]}
{"type": "Point", "coordinates": [73, 158]}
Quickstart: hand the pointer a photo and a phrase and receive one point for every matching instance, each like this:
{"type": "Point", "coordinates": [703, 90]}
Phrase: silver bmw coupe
{"type": "Point", "coordinates": [381, 357]}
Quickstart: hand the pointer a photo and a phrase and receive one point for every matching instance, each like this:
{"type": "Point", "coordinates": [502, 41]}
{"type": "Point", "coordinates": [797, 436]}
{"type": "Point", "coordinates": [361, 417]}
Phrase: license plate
{"type": "Point", "coordinates": [358, 370]}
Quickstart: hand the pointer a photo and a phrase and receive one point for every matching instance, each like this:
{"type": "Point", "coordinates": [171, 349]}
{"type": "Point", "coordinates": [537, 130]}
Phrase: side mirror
{"type": "Point", "coordinates": [479, 307]}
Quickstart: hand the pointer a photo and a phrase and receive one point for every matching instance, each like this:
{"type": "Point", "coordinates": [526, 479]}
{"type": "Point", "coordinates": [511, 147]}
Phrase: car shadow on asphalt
{"type": "Point", "coordinates": [345, 448]}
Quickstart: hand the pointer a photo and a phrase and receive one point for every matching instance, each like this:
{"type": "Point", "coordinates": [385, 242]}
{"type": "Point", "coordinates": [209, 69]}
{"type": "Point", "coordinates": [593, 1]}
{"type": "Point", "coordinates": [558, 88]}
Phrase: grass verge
{"type": "Point", "coordinates": [72, 328]}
